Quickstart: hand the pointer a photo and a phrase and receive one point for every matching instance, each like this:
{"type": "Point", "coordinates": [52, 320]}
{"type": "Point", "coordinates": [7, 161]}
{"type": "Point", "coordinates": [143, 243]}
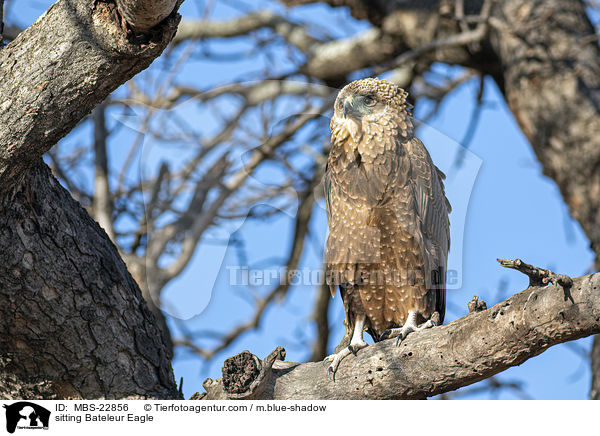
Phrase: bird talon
{"type": "Point", "coordinates": [331, 374]}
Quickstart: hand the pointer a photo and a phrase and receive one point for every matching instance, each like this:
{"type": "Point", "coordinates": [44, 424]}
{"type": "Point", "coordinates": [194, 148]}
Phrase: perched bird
{"type": "Point", "coordinates": [388, 218]}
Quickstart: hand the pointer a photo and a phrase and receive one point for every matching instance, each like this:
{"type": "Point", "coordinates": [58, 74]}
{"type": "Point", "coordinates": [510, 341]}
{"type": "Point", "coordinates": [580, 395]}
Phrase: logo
{"type": "Point", "coordinates": [26, 415]}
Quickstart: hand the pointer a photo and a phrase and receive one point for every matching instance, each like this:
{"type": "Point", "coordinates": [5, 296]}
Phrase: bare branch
{"type": "Point", "coordinates": [338, 58]}
{"type": "Point", "coordinates": [102, 201]}
{"type": "Point", "coordinates": [537, 276]}
{"type": "Point", "coordinates": [294, 33]}
{"type": "Point", "coordinates": [374, 47]}
{"type": "Point", "coordinates": [205, 218]}
{"type": "Point", "coordinates": [253, 93]}
{"type": "Point", "coordinates": [303, 216]}
{"type": "Point", "coordinates": [453, 40]}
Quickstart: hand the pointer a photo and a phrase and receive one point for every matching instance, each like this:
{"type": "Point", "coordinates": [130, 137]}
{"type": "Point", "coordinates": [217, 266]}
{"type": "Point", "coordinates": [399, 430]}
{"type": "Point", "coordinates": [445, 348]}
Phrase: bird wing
{"type": "Point", "coordinates": [432, 208]}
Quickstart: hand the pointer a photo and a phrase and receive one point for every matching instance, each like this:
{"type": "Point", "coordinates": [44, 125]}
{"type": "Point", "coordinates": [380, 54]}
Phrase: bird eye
{"type": "Point", "coordinates": [370, 100]}
{"type": "Point", "coordinates": [340, 105]}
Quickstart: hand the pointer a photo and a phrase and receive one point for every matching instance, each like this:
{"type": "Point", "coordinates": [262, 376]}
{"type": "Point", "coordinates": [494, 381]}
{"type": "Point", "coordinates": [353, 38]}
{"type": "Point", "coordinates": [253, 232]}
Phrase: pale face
{"type": "Point", "coordinates": [353, 109]}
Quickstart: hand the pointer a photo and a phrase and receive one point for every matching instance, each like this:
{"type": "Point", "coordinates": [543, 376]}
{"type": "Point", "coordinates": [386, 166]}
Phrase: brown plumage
{"type": "Point", "coordinates": [388, 217]}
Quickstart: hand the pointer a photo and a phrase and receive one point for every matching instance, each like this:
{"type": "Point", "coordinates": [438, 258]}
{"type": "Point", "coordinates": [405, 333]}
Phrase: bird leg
{"type": "Point", "coordinates": [410, 326]}
{"type": "Point", "coordinates": [356, 343]}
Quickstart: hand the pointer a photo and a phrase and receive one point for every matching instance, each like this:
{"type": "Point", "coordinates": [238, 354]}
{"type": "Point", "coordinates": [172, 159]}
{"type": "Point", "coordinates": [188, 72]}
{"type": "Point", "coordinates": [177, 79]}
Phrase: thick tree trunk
{"type": "Point", "coordinates": [74, 323]}
{"type": "Point", "coordinates": [432, 361]}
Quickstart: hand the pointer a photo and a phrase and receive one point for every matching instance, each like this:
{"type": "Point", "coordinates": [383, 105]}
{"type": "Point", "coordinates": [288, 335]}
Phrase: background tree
{"type": "Point", "coordinates": [221, 157]}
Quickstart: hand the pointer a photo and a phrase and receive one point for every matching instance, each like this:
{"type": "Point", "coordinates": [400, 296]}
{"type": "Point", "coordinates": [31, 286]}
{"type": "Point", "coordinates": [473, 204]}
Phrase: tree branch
{"type": "Point", "coordinates": [442, 359]}
{"type": "Point", "coordinates": [48, 85]}
{"type": "Point", "coordinates": [336, 59]}
{"type": "Point", "coordinates": [253, 93]}
{"type": "Point", "coordinates": [294, 33]}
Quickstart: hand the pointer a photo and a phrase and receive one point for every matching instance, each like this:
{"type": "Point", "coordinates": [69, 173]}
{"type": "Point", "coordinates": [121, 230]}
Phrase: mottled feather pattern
{"type": "Point", "coordinates": [387, 213]}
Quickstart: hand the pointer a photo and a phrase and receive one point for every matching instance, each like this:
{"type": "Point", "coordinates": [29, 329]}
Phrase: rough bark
{"type": "Point", "coordinates": [74, 323]}
{"type": "Point", "coordinates": [142, 15]}
{"type": "Point", "coordinates": [440, 359]}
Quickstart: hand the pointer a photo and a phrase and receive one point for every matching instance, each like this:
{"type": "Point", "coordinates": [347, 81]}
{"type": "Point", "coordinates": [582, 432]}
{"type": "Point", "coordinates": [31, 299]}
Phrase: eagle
{"type": "Point", "coordinates": [389, 230]}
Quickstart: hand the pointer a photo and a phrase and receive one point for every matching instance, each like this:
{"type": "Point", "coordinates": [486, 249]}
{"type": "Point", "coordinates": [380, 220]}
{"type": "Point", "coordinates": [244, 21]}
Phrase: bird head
{"type": "Point", "coordinates": [364, 102]}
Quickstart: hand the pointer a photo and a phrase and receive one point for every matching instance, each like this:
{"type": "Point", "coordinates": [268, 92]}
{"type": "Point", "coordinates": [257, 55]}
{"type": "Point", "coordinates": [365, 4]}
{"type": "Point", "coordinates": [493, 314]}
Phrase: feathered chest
{"type": "Point", "coordinates": [367, 138]}
{"type": "Point", "coordinates": [370, 165]}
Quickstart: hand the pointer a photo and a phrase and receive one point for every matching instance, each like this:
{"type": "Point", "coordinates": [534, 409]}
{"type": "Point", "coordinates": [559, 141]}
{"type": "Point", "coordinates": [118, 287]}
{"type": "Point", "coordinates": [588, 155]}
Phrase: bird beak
{"type": "Point", "coordinates": [348, 119]}
{"type": "Point", "coordinates": [350, 107]}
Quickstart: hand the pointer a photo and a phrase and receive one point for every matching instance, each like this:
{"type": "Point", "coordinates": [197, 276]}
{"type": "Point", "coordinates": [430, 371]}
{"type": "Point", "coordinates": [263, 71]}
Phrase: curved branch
{"type": "Point", "coordinates": [458, 354]}
{"type": "Point", "coordinates": [338, 58]}
{"type": "Point", "coordinates": [253, 93]}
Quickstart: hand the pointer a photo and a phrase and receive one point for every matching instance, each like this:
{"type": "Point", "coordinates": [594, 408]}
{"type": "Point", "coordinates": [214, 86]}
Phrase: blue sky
{"type": "Point", "coordinates": [503, 207]}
